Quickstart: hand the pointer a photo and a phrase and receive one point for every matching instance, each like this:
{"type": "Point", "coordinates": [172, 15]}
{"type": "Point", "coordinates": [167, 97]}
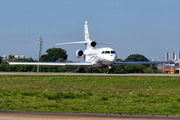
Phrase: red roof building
{"type": "Point", "coordinates": [166, 69]}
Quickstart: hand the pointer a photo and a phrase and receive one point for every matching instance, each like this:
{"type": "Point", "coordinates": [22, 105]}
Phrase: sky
{"type": "Point", "coordinates": [147, 27]}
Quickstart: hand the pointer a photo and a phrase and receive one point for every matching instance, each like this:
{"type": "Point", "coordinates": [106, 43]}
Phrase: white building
{"type": "Point", "coordinates": [4, 57]}
{"type": "Point", "coordinates": [174, 56]}
{"type": "Point", "coordinates": [17, 57]}
{"type": "Point", "coordinates": [22, 57]}
{"type": "Point", "coordinates": [167, 56]}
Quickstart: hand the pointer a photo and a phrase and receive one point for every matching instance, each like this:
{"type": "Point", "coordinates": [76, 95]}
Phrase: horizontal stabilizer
{"type": "Point", "coordinates": [105, 43]}
{"type": "Point", "coordinates": [69, 43]}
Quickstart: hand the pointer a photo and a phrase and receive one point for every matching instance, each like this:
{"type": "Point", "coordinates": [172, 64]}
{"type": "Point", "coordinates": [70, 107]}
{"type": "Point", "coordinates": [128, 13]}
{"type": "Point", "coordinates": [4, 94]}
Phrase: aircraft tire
{"type": "Point", "coordinates": [112, 70]}
{"type": "Point", "coordinates": [108, 71]}
{"type": "Point", "coordinates": [81, 70]}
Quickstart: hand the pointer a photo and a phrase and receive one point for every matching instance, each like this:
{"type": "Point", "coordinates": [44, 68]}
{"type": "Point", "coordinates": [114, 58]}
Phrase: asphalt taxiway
{"type": "Point", "coordinates": [20, 115]}
{"type": "Point", "coordinates": [88, 74]}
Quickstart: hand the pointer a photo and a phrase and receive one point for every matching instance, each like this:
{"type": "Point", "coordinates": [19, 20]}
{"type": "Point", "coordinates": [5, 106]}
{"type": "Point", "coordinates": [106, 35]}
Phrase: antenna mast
{"type": "Point", "coordinates": [40, 51]}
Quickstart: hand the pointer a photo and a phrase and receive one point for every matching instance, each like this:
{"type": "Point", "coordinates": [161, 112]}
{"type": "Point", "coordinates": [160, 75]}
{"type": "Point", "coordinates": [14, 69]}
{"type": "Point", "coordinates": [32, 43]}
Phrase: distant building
{"type": "Point", "coordinates": [118, 58]}
{"type": "Point", "coordinates": [173, 56]}
{"type": "Point", "coordinates": [163, 65]}
{"type": "Point", "coordinates": [172, 66]}
{"type": "Point", "coordinates": [17, 57]}
{"type": "Point", "coordinates": [166, 69]}
{"type": "Point", "coordinates": [4, 57]}
{"type": "Point", "coordinates": [22, 57]}
{"type": "Point", "coordinates": [167, 56]}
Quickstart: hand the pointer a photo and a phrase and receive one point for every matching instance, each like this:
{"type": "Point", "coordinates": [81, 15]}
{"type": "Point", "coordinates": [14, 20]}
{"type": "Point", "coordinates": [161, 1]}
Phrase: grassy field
{"type": "Point", "coordinates": [91, 94]}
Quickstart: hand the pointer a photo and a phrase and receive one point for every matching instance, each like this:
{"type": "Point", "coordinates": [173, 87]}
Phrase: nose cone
{"type": "Point", "coordinates": [109, 56]}
{"type": "Point", "coordinates": [111, 59]}
{"type": "Point", "coordinates": [114, 58]}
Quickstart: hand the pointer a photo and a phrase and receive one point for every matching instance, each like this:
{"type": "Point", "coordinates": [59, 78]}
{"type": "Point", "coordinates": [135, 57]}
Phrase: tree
{"type": "Point", "coordinates": [0, 59]}
{"type": "Point", "coordinates": [140, 68]}
{"type": "Point", "coordinates": [60, 60]}
{"type": "Point", "coordinates": [129, 69]}
{"type": "Point", "coordinates": [136, 57]}
{"type": "Point", "coordinates": [54, 54]}
{"type": "Point", "coordinates": [11, 58]}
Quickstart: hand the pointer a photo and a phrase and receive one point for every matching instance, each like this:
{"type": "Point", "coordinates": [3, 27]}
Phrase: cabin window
{"type": "Point", "coordinates": [102, 52]}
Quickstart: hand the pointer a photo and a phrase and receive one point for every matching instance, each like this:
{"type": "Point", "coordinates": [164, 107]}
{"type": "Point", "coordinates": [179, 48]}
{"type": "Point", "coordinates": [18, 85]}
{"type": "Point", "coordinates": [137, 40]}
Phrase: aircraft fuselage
{"type": "Point", "coordinates": [100, 57]}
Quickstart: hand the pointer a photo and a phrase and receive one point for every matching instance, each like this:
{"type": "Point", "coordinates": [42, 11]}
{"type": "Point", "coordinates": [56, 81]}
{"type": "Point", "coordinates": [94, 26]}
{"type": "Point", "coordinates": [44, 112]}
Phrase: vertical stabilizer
{"type": "Point", "coordinates": [87, 38]}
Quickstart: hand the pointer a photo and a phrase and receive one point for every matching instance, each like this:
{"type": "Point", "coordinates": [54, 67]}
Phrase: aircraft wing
{"type": "Point", "coordinates": [138, 63]}
{"type": "Point", "coordinates": [52, 63]}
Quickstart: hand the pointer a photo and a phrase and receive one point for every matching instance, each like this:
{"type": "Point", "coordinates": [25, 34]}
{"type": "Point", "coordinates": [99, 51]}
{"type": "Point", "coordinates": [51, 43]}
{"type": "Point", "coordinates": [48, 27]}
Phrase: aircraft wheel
{"type": "Point", "coordinates": [108, 71]}
{"type": "Point", "coordinates": [81, 70]}
{"type": "Point", "coordinates": [112, 70]}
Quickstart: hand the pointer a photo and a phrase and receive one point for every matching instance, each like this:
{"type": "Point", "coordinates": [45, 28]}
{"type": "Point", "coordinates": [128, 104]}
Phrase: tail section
{"type": "Point", "coordinates": [90, 43]}
{"type": "Point", "coordinates": [87, 38]}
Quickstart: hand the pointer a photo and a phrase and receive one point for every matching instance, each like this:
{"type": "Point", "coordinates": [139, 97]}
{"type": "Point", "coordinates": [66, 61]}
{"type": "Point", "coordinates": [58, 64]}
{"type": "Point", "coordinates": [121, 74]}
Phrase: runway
{"type": "Point", "coordinates": [89, 74]}
{"type": "Point", "coordinates": [18, 115]}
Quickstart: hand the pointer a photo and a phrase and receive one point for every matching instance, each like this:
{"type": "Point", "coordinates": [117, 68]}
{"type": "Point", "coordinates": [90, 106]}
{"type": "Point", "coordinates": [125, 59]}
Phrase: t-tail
{"type": "Point", "coordinates": [86, 31]}
{"type": "Point", "coordinates": [90, 43]}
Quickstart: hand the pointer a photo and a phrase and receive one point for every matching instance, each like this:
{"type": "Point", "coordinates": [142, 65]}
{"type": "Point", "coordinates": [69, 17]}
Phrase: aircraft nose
{"type": "Point", "coordinates": [113, 58]}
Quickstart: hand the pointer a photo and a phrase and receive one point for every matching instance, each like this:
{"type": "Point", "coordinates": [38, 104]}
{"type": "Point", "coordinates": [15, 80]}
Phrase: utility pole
{"type": "Point", "coordinates": [40, 51]}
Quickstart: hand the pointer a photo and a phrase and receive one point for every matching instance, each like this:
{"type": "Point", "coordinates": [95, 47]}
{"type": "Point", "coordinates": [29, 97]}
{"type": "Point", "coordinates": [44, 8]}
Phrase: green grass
{"type": "Point", "coordinates": [91, 94]}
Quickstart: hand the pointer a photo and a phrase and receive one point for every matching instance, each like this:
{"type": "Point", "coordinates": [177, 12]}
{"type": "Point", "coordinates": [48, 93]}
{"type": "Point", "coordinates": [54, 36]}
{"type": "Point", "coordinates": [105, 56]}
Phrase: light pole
{"type": "Point", "coordinates": [40, 50]}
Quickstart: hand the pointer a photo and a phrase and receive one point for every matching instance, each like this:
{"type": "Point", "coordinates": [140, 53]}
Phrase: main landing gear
{"type": "Point", "coordinates": [81, 70]}
{"type": "Point", "coordinates": [110, 69]}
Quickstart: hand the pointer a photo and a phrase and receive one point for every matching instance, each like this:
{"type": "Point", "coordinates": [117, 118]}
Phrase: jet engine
{"type": "Point", "coordinates": [79, 53]}
{"type": "Point", "coordinates": [93, 44]}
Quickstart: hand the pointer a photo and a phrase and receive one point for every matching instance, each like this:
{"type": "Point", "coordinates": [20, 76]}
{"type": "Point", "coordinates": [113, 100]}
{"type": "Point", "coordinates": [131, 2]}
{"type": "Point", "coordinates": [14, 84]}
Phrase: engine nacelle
{"type": "Point", "coordinates": [93, 44]}
{"type": "Point", "coordinates": [79, 53]}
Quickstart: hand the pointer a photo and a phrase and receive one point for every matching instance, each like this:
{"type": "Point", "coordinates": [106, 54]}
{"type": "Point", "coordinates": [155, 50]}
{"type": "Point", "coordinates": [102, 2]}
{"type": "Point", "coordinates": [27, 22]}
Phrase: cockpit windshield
{"type": "Point", "coordinates": [113, 52]}
{"type": "Point", "coordinates": [108, 52]}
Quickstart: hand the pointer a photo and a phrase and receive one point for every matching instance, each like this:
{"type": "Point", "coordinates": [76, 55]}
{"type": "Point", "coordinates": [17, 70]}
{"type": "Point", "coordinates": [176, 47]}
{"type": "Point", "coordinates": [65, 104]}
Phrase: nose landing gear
{"type": "Point", "coordinates": [110, 69]}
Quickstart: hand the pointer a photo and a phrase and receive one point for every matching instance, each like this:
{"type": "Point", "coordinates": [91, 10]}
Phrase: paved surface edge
{"type": "Point", "coordinates": [98, 115]}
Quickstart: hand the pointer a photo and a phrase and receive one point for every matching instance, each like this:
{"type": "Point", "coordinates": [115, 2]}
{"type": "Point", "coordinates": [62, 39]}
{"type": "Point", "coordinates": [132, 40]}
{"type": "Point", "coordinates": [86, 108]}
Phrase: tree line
{"type": "Point", "coordinates": [59, 55]}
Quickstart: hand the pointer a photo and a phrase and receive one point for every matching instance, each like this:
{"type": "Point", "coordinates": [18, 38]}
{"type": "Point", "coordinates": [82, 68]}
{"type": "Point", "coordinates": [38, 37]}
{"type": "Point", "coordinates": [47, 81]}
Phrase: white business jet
{"type": "Point", "coordinates": [94, 57]}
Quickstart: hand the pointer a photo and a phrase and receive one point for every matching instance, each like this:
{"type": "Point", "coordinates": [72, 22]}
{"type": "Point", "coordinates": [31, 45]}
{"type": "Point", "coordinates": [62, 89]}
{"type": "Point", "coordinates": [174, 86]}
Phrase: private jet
{"type": "Point", "coordinates": [94, 57]}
